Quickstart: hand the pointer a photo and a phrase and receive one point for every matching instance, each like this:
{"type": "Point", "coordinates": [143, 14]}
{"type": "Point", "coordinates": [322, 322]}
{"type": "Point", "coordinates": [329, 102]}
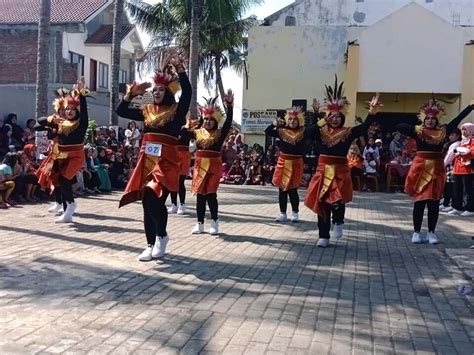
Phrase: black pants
{"type": "Point", "coordinates": [65, 186]}
{"type": "Point", "coordinates": [463, 184]}
{"type": "Point", "coordinates": [92, 181]}
{"type": "Point", "coordinates": [419, 211]}
{"type": "Point", "coordinates": [155, 215]}
{"type": "Point", "coordinates": [337, 212]}
{"type": "Point", "coordinates": [201, 206]}
{"type": "Point", "coordinates": [294, 200]}
{"type": "Point", "coordinates": [448, 193]}
{"type": "Point", "coordinates": [182, 192]}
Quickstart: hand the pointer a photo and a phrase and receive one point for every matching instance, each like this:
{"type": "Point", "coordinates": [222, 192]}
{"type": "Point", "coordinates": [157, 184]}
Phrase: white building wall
{"type": "Point", "coordinates": [367, 12]}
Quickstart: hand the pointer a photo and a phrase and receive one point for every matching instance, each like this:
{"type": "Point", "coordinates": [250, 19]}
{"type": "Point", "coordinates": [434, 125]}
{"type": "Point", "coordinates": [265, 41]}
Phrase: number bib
{"type": "Point", "coordinates": [153, 149]}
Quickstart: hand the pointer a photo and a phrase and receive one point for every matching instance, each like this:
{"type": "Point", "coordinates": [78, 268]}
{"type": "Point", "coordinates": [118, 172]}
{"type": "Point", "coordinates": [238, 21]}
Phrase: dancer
{"type": "Point", "coordinates": [47, 176]}
{"type": "Point", "coordinates": [331, 187]}
{"type": "Point", "coordinates": [289, 169]}
{"type": "Point", "coordinates": [67, 155]}
{"type": "Point", "coordinates": [208, 164]}
{"type": "Point", "coordinates": [157, 170]}
{"type": "Point", "coordinates": [464, 173]}
{"type": "Point", "coordinates": [426, 177]}
{"type": "Point", "coordinates": [184, 166]}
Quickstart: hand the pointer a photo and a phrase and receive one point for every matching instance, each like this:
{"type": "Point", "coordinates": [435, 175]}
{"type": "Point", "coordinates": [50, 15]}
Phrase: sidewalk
{"type": "Point", "coordinates": [260, 287]}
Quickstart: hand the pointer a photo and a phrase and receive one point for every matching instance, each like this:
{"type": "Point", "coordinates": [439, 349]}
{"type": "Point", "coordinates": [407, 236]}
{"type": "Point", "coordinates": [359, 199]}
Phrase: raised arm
{"type": "Point", "coordinates": [272, 130]}
{"type": "Point", "coordinates": [374, 106]}
{"type": "Point", "coordinates": [312, 131]}
{"type": "Point", "coordinates": [84, 114]}
{"type": "Point", "coordinates": [185, 99]}
{"type": "Point", "coordinates": [228, 100]}
{"type": "Point", "coordinates": [458, 119]}
{"type": "Point", "coordinates": [45, 122]}
{"type": "Point", "coordinates": [406, 129]}
{"type": "Point", "coordinates": [132, 113]}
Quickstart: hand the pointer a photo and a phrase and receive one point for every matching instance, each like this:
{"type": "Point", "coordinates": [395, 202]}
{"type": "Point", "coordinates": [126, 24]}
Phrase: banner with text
{"type": "Point", "coordinates": [255, 122]}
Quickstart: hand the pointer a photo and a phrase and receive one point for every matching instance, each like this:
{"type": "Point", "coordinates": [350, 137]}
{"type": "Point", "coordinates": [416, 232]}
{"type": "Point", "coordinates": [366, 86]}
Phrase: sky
{"type": "Point", "coordinates": [230, 78]}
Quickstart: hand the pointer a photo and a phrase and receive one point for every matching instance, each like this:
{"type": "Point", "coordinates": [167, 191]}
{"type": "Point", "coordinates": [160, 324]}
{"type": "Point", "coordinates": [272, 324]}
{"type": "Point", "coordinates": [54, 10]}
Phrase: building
{"type": "Point", "coordinates": [406, 50]}
{"type": "Point", "coordinates": [81, 45]}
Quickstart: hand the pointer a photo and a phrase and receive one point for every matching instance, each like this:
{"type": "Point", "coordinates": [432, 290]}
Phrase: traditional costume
{"type": "Point", "coordinates": [289, 168]}
{"type": "Point", "coordinates": [426, 177]}
{"type": "Point", "coordinates": [157, 170]}
{"type": "Point", "coordinates": [331, 187]}
{"type": "Point", "coordinates": [67, 154]}
{"type": "Point", "coordinates": [208, 164]}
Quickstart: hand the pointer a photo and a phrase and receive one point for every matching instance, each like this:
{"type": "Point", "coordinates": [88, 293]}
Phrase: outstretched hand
{"type": "Point", "coordinates": [178, 61]}
{"type": "Point", "coordinates": [375, 104]}
{"type": "Point", "coordinates": [229, 99]}
{"type": "Point", "coordinates": [315, 105]}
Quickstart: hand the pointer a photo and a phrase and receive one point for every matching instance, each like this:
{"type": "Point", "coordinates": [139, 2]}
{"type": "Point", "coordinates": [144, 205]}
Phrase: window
{"type": "Point", "coordinates": [103, 75]}
{"type": "Point", "coordinates": [77, 60]}
{"type": "Point", "coordinates": [123, 76]}
{"type": "Point", "coordinates": [290, 21]}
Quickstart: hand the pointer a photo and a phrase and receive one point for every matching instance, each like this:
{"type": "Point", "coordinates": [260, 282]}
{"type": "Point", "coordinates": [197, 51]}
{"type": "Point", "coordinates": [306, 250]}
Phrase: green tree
{"type": "Point", "coordinates": [207, 29]}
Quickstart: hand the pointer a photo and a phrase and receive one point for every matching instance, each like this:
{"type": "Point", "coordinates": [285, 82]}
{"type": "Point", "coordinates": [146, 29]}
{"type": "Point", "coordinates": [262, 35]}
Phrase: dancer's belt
{"type": "Point", "coordinates": [429, 155]}
{"type": "Point", "coordinates": [332, 160]}
{"type": "Point", "coordinates": [290, 156]}
{"type": "Point", "coordinates": [62, 151]}
{"type": "Point", "coordinates": [160, 138]}
{"type": "Point", "coordinates": [208, 154]}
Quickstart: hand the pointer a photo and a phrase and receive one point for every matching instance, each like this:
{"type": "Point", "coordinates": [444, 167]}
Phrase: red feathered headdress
{"type": "Point", "coordinates": [211, 109]}
{"type": "Point", "coordinates": [167, 79]}
{"type": "Point", "coordinates": [334, 100]}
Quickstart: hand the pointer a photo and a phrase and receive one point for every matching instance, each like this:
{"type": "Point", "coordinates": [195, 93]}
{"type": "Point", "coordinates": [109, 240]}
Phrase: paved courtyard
{"type": "Point", "coordinates": [258, 288]}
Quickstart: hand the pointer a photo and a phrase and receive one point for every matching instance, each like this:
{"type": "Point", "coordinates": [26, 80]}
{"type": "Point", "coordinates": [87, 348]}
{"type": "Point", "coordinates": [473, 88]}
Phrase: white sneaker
{"type": "Point", "coordinates": [454, 212]}
{"type": "Point", "coordinates": [181, 209]}
{"type": "Point", "coordinates": [281, 218]}
{"type": "Point", "coordinates": [322, 242]}
{"type": "Point", "coordinates": [146, 255]}
{"type": "Point", "coordinates": [173, 209]}
{"type": "Point", "coordinates": [214, 227]}
{"type": "Point", "coordinates": [337, 231]}
{"type": "Point", "coordinates": [66, 217]}
{"type": "Point", "coordinates": [198, 228]}
{"type": "Point", "coordinates": [446, 209]}
{"type": "Point", "coordinates": [55, 208]}
{"type": "Point", "coordinates": [467, 214]}
{"type": "Point", "coordinates": [415, 238]}
{"type": "Point", "coordinates": [73, 207]}
{"type": "Point", "coordinates": [432, 238]}
{"type": "Point", "coordinates": [159, 248]}
{"type": "Point", "coordinates": [60, 212]}
{"type": "Point", "coordinates": [295, 217]}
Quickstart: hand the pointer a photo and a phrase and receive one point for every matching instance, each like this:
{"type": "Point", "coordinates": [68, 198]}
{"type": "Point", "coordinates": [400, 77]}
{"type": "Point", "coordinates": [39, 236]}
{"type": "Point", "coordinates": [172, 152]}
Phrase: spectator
{"type": "Point", "coordinates": [91, 178]}
{"type": "Point", "coordinates": [370, 168]}
{"type": "Point", "coordinates": [29, 132]}
{"type": "Point", "coordinates": [255, 176]}
{"type": "Point", "coordinates": [307, 175]}
{"type": "Point", "coordinates": [103, 169]}
{"type": "Point", "coordinates": [17, 131]}
{"type": "Point", "coordinates": [454, 140]}
{"type": "Point", "coordinates": [118, 173]}
{"type": "Point", "coordinates": [4, 138]}
{"type": "Point", "coordinates": [228, 153]}
{"type": "Point", "coordinates": [112, 141]}
{"type": "Point", "coordinates": [132, 135]}
{"type": "Point", "coordinates": [355, 161]}
{"type": "Point", "coordinates": [26, 181]}
{"type": "Point", "coordinates": [236, 174]}
{"type": "Point", "coordinates": [7, 184]}
{"type": "Point", "coordinates": [372, 148]}
{"type": "Point", "coordinates": [395, 145]}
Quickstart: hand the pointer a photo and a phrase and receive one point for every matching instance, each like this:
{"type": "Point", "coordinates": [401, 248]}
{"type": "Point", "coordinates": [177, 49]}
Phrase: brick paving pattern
{"type": "Point", "coordinates": [259, 288]}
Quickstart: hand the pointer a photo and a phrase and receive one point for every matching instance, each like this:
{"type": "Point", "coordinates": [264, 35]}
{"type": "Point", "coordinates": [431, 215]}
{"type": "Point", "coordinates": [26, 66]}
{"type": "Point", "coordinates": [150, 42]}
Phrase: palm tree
{"type": "Point", "coordinates": [194, 44]}
{"type": "Point", "coordinates": [116, 41]}
{"type": "Point", "coordinates": [221, 28]}
{"type": "Point", "coordinates": [42, 66]}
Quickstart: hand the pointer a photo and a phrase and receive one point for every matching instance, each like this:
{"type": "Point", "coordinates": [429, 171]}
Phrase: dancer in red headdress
{"type": "Point", "coordinates": [157, 170]}
{"type": "Point", "coordinates": [426, 177]}
{"type": "Point", "coordinates": [331, 187]}
{"type": "Point", "coordinates": [67, 155]}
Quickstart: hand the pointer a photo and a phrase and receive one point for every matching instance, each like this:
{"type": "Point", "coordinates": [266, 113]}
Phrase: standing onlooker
{"type": "Point", "coordinates": [453, 143]}
{"type": "Point", "coordinates": [17, 131]}
{"type": "Point", "coordinates": [29, 132]}
{"type": "Point", "coordinates": [372, 148]}
{"type": "Point", "coordinates": [395, 145]}
{"type": "Point", "coordinates": [132, 135]}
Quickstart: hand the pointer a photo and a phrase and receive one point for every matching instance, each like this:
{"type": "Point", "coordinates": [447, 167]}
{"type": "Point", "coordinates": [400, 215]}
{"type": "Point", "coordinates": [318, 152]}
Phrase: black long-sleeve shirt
{"type": "Point", "coordinates": [173, 127]}
{"type": "Point", "coordinates": [187, 135]}
{"type": "Point", "coordinates": [421, 144]}
{"type": "Point", "coordinates": [78, 134]}
{"type": "Point", "coordinates": [292, 149]}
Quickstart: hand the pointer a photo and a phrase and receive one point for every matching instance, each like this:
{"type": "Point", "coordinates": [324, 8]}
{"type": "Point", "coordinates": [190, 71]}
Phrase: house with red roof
{"type": "Point", "coordinates": [80, 46]}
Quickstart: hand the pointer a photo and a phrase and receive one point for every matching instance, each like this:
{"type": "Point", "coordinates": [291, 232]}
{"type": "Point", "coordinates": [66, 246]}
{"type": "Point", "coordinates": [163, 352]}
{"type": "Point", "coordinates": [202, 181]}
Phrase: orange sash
{"type": "Point", "coordinates": [184, 160]}
{"type": "Point", "coordinates": [152, 171]}
{"type": "Point", "coordinates": [331, 183]}
{"type": "Point", "coordinates": [426, 177]}
{"type": "Point", "coordinates": [288, 172]}
{"type": "Point", "coordinates": [207, 172]}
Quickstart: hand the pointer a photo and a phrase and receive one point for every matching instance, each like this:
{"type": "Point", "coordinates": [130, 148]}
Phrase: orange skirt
{"type": "Point", "coordinates": [426, 177]}
{"type": "Point", "coordinates": [154, 172]}
{"type": "Point", "coordinates": [288, 172]}
{"type": "Point", "coordinates": [184, 160]}
{"type": "Point", "coordinates": [207, 172]}
{"type": "Point", "coordinates": [331, 183]}
{"type": "Point", "coordinates": [63, 160]}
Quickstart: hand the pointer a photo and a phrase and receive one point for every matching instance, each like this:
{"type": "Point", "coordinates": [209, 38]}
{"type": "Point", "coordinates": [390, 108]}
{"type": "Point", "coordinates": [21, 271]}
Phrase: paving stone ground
{"type": "Point", "coordinates": [259, 288]}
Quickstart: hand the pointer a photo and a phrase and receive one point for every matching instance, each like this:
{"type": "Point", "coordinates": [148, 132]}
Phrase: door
{"type": "Point", "coordinates": [93, 75]}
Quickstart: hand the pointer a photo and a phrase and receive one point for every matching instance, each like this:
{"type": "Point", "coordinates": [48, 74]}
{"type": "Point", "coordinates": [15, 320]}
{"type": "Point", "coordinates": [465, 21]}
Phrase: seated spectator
{"type": "Point", "coordinates": [103, 169]}
{"type": "Point", "coordinates": [118, 173]}
{"type": "Point", "coordinates": [112, 141]}
{"type": "Point", "coordinates": [255, 176]}
{"type": "Point", "coordinates": [4, 139]}
{"type": "Point", "coordinates": [91, 178]}
{"type": "Point", "coordinates": [7, 185]}
{"type": "Point", "coordinates": [355, 160]}
{"type": "Point", "coordinates": [29, 132]}
{"type": "Point", "coordinates": [306, 175]}
{"type": "Point", "coordinates": [236, 174]}
{"type": "Point", "coordinates": [373, 149]}
{"type": "Point", "coordinates": [26, 182]}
